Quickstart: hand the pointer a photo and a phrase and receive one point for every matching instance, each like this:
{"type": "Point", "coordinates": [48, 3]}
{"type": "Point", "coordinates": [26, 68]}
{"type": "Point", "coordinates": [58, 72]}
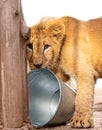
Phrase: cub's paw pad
{"type": "Point", "coordinates": [81, 122]}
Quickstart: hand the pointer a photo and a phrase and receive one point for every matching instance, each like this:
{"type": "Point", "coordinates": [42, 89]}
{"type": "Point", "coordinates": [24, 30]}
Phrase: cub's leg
{"type": "Point", "coordinates": [83, 116]}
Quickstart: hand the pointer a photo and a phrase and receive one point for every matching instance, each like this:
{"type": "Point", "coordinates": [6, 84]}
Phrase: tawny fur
{"type": "Point", "coordinates": [71, 48]}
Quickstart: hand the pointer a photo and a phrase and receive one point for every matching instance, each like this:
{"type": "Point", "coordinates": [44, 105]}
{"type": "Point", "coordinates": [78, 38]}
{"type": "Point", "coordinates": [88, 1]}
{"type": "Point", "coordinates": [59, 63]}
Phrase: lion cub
{"type": "Point", "coordinates": [71, 48]}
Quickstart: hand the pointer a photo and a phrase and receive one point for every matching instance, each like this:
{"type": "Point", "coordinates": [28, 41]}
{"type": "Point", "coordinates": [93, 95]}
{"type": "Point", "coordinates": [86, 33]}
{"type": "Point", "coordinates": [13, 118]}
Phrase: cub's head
{"type": "Point", "coordinates": [45, 44]}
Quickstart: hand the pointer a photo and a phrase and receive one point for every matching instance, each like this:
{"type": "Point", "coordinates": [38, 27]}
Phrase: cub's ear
{"type": "Point", "coordinates": [57, 31]}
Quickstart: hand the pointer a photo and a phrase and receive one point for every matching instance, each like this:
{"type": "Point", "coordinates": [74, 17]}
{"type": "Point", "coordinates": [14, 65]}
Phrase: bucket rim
{"type": "Point", "coordinates": [60, 96]}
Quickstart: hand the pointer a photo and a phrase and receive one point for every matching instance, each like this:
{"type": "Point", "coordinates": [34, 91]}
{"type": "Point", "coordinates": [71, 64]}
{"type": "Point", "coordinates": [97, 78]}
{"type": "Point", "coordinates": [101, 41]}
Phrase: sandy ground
{"type": "Point", "coordinates": [98, 108]}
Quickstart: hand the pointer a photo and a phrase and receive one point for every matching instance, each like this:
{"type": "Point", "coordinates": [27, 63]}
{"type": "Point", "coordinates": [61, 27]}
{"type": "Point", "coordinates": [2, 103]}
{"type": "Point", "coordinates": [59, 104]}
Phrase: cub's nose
{"type": "Point", "coordinates": [38, 65]}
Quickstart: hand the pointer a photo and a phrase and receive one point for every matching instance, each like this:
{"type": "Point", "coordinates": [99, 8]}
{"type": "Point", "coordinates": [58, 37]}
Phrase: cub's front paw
{"type": "Point", "coordinates": [81, 121]}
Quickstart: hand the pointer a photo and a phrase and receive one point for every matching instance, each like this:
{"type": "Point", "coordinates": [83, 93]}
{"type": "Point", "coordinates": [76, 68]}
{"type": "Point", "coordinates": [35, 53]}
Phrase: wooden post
{"type": "Point", "coordinates": [13, 88]}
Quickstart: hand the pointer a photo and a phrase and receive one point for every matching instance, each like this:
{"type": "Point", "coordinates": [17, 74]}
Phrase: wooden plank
{"type": "Point", "coordinates": [13, 81]}
{"type": "Point", "coordinates": [67, 127]}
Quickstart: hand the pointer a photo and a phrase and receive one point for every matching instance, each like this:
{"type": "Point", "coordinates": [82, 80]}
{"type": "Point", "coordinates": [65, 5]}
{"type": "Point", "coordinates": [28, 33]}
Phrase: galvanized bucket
{"type": "Point", "coordinates": [51, 102]}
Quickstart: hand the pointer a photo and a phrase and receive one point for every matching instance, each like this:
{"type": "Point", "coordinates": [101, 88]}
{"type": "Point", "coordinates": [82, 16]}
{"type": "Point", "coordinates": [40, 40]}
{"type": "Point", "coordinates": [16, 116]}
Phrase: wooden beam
{"type": "Point", "coordinates": [13, 88]}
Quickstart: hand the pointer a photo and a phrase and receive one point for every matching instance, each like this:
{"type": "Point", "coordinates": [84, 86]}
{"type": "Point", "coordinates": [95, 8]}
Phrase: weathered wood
{"type": "Point", "coordinates": [13, 89]}
{"type": "Point", "coordinates": [62, 127]}
{"type": "Point", "coordinates": [24, 30]}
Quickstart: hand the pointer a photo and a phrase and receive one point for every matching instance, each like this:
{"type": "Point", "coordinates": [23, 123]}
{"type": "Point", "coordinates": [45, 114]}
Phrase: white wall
{"type": "Point", "coordinates": [82, 9]}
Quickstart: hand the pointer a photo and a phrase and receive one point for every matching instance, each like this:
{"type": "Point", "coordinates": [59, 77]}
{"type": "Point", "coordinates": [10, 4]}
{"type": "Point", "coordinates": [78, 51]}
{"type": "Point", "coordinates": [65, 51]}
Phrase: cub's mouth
{"type": "Point", "coordinates": [38, 65]}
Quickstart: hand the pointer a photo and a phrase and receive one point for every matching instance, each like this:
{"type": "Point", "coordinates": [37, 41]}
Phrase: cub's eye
{"type": "Point", "coordinates": [46, 46]}
{"type": "Point", "coordinates": [30, 46]}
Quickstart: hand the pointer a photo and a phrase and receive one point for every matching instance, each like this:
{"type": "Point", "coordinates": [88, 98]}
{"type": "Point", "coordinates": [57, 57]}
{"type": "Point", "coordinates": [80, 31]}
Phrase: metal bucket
{"type": "Point", "coordinates": [51, 102]}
